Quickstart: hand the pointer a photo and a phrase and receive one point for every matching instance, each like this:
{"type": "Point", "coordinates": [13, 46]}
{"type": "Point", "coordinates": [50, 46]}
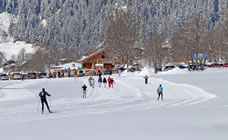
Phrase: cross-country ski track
{"type": "Point", "coordinates": [129, 93]}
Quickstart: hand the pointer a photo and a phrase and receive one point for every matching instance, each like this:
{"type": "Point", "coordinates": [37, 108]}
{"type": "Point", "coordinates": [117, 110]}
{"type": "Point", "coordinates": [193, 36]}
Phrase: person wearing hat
{"type": "Point", "coordinates": [43, 99]}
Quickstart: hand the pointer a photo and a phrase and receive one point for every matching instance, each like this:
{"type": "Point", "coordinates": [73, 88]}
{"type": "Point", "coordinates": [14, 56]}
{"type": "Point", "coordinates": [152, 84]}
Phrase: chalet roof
{"type": "Point", "coordinates": [93, 54]}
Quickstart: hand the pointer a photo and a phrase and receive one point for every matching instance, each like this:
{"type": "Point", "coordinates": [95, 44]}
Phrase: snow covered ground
{"type": "Point", "coordinates": [194, 107]}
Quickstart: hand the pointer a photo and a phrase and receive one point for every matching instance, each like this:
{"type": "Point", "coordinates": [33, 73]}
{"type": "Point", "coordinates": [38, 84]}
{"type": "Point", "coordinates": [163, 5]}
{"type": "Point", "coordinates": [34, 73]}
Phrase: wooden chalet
{"type": "Point", "coordinates": [97, 60]}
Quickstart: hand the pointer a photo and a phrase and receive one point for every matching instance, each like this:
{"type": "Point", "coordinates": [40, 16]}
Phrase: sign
{"type": "Point", "coordinates": [200, 57]}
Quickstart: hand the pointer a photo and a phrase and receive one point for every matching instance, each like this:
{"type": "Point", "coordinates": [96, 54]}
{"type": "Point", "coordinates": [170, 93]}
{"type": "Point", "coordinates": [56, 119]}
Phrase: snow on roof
{"type": "Point", "coordinates": [86, 57]}
{"type": "Point", "coordinates": [72, 65]}
{"type": "Point", "coordinates": [82, 59]}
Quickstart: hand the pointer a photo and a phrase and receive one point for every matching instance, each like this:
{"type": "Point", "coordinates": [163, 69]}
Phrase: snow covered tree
{"type": "Point", "coordinates": [21, 56]}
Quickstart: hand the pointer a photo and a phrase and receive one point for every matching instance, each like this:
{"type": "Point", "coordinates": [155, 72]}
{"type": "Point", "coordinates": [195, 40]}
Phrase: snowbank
{"type": "Point", "coordinates": [174, 71]}
{"type": "Point", "coordinates": [143, 72]}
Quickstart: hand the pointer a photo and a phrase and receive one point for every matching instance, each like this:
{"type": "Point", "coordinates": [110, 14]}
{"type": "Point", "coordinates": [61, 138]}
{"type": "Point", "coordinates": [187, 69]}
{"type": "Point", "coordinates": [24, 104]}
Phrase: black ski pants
{"type": "Point", "coordinates": [44, 101]}
{"type": "Point", "coordinates": [160, 94]}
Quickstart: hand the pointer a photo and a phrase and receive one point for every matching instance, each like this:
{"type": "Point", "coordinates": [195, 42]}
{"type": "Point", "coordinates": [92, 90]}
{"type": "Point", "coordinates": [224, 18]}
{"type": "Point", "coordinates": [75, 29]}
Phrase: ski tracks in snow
{"type": "Point", "coordinates": [126, 94]}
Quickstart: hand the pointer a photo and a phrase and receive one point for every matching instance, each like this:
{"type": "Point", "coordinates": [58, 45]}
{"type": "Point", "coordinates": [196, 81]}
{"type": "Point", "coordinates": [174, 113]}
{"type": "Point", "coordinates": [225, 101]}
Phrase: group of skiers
{"type": "Point", "coordinates": [100, 81]}
{"type": "Point", "coordinates": [110, 81]}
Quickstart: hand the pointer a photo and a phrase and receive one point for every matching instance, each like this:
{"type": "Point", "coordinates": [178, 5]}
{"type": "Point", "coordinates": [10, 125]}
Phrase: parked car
{"type": "Point", "coordinates": [16, 76]}
{"type": "Point", "coordinates": [121, 69]}
{"type": "Point", "coordinates": [215, 65]}
{"type": "Point", "coordinates": [42, 75]}
{"type": "Point", "coordinates": [81, 73]}
{"type": "Point", "coordinates": [31, 75]}
{"type": "Point", "coordinates": [108, 72]}
{"type": "Point", "coordinates": [158, 69]}
{"type": "Point", "coordinates": [4, 76]}
{"type": "Point", "coordinates": [132, 69]}
{"type": "Point", "coordinates": [24, 75]}
{"type": "Point", "coordinates": [182, 66]}
{"type": "Point", "coordinates": [225, 65]}
{"type": "Point", "coordinates": [166, 68]}
{"type": "Point", "coordinates": [51, 75]}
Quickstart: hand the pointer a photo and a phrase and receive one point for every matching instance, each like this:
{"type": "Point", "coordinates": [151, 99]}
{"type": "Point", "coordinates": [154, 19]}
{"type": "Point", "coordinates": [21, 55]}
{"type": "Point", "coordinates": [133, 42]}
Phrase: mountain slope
{"type": "Point", "coordinates": [64, 24]}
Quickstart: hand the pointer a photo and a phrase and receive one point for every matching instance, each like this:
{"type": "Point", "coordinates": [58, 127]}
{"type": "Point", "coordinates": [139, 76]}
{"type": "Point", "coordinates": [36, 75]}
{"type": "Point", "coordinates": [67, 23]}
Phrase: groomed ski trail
{"type": "Point", "coordinates": [126, 94]}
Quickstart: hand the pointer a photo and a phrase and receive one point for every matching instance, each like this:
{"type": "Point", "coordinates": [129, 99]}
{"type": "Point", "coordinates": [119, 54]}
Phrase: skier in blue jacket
{"type": "Point", "coordinates": [160, 92]}
{"type": "Point", "coordinates": [99, 81]}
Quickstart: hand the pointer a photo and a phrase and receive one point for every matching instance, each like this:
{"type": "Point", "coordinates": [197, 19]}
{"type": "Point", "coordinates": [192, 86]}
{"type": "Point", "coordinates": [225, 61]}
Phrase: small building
{"type": "Point", "coordinates": [97, 60]}
{"type": "Point", "coordinates": [71, 66]}
{"type": "Point", "coordinates": [9, 66]}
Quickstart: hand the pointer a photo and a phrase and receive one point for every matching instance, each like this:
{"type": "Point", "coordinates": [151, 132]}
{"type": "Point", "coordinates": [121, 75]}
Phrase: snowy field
{"type": "Point", "coordinates": [195, 107]}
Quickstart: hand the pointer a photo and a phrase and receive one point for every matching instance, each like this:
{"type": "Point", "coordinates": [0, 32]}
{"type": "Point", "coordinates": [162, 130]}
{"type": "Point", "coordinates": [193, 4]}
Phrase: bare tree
{"type": "Point", "coordinates": [39, 60]}
{"type": "Point", "coordinates": [189, 40]}
{"type": "Point", "coordinates": [224, 38]}
{"type": "Point", "coordinates": [120, 37]}
{"type": "Point", "coordinates": [153, 50]}
{"type": "Point", "coordinates": [71, 55]}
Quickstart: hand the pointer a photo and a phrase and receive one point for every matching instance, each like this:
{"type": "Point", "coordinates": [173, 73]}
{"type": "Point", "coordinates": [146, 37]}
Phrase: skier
{"type": "Point", "coordinates": [112, 82]}
{"type": "Point", "coordinates": [62, 74]}
{"type": "Point", "coordinates": [84, 91]}
{"type": "Point", "coordinates": [59, 74]}
{"type": "Point", "coordinates": [99, 73]}
{"type": "Point", "coordinates": [92, 82]}
{"type": "Point", "coordinates": [54, 73]}
{"type": "Point", "coordinates": [119, 72]}
{"type": "Point", "coordinates": [160, 92]}
{"type": "Point", "coordinates": [105, 82]}
{"type": "Point", "coordinates": [146, 79]}
{"type": "Point", "coordinates": [43, 99]}
{"type": "Point", "coordinates": [69, 72]}
{"type": "Point", "coordinates": [99, 81]}
{"type": "Point", "coordinates": [90, 78]}
{"type": "Point", "coordinates": [109, 81]}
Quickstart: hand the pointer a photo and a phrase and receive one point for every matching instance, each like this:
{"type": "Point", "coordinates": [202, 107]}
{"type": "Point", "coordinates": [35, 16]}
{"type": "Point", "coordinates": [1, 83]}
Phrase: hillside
{"type": "Point", "coordinates": [65, 24]}
{"type": "Point", "coordinates": [9, 47]}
